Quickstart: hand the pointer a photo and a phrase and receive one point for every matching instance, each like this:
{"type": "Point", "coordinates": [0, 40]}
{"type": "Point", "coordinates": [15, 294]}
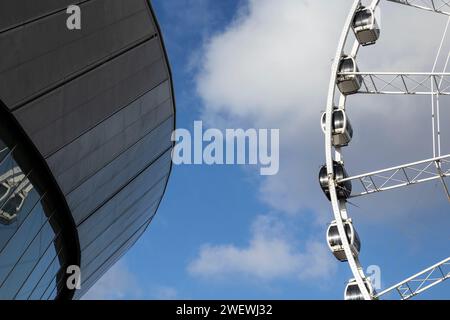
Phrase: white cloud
{"type": "Point", "coordinates": [270, 255]}
{"type": "Point", "coordinates": [270, 68]}
{"type": "Point", "coordinates": [256, 66]}
{"type": "Point", "coordinates": [265, 70]}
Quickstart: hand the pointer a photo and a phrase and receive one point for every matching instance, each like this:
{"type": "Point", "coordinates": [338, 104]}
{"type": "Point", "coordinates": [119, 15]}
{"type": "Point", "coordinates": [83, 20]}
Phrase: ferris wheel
{"type": "Point", "coordinates": [338, 186]}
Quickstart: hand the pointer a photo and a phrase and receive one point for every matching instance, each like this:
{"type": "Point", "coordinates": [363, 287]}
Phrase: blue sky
{"type": "Point", "coordinates": [224, 232]}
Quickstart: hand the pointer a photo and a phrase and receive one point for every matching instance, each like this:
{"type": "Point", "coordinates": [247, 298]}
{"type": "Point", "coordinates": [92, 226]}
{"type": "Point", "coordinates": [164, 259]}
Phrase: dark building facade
{"type": "Point", "coordinates": [86, 118]}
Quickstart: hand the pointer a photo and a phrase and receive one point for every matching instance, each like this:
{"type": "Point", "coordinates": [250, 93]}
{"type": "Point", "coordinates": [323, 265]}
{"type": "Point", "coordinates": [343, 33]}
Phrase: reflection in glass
{"type": "Point", "coordinates": [14, 189]}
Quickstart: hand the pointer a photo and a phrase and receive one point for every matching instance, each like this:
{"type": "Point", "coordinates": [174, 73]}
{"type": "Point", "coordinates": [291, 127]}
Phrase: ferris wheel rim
{"type": "Point", "coordinates": [338, 206]}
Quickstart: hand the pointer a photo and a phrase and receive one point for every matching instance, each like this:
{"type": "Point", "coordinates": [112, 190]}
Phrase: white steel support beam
{"type": "Point", "coordinates": [438, 6]}
{"type": "Point", "coordinates": [421, 281]}
{"type": "Point", "coordinates": [418, 83]}
{"type": "Point", "coordinates": [401, 176]}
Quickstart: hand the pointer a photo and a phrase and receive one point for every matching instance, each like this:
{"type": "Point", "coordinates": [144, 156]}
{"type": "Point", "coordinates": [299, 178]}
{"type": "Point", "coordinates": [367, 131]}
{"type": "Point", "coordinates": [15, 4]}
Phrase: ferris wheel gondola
{"type": "Point", "coordinates": [353, 292]}
{"type": "Point", "coordinates": [341, 127]}
{"type": "Point", "coordinates": [348, 81]}
{"type": "Point", "coordinates": [335, 242]}
{"type": "Point", "coordinates": [366, 26]}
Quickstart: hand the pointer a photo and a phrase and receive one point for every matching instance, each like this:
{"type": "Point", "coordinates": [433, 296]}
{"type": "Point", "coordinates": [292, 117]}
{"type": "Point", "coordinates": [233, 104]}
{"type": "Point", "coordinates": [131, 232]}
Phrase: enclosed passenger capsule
{"type": "Point", "coordinates": [366, 27]}
{"type": "Point", "coordinates": [352, 291]}
{"type": "Point", "coordinates": [348, 83]}
{"type": "Point", "coordinates": [335, 243]}
{"type": "Point", "coordinates": [343, 190]}
{"type": "Point", "coordinates": [342, 131]}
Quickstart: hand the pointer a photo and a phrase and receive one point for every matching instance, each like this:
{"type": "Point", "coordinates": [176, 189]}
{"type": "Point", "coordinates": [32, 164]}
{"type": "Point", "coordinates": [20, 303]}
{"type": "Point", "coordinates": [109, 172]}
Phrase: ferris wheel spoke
{"type": "Point", "coordinates": [400, 176]}
{"type": "Point", "coordinates": [417, 83]}
{"type": "Point", "coordinates": [421, 281]}
{"type": "Point", "coordinates": [438, 6]}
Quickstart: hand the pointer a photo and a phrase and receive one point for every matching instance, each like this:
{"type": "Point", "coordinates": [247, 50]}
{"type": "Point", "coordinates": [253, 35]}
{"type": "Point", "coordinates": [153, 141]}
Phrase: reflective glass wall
{"type": "Point", "coordinates": [31, 250]}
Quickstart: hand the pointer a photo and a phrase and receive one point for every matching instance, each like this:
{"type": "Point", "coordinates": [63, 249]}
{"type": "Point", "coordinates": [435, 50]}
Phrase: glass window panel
{"type": "Point", "coordinates": [37, 273]}
{"type": "Point", "coordinates": [17, 196]}
{"type": "Point", "coordinates": [27, 250]}
{"type": "Point", "coordinates": [8, 231]}
{"type": "Point", "coordinates": [37, 248]}
{"type": "Point", "coordinates": [21, 240]}
{"type": "Point", "coordinates": [48, 280]}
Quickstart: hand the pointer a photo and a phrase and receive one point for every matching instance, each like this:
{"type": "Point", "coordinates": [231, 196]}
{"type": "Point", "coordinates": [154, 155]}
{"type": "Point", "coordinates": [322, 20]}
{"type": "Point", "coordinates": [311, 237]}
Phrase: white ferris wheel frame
{"type": "Point", "coordinates": [387, 83]}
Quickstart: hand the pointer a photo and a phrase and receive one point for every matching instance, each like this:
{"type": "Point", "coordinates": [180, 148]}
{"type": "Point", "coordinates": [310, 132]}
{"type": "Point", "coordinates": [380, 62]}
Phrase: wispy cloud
{"type": "Point", "coordinates": [118, 283]}
{"type": "Point", "coordinates": [270, 255]}
{"type": "Point", "coordinates": [164, 293]}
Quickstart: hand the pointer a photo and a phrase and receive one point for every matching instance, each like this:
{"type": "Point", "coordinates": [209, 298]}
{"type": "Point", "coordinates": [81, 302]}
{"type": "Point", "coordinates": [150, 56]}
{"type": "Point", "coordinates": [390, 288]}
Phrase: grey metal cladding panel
{"type": "Point", "coordinates": [44, 53]}
{"type": "Point", "coordinates": [123, 197]}
{"type": "Point", "coordinates": [126, 226]}
{"type": "Point", "coordinates": [104, 221]}
{"type": "Point", "coordinates": [90, 280]}
{"type": "Point", "coordinates": [50, 36]}
{"type": "Point", "coordinates": [14, 12]}
{"type": "Point", "coordinates": [90, 99]}
{"type": "Point", "coordinates": [107, 140]}
{"type": "Point", "coordinates": [115, 249]}
{"type": "Point", "coordinates": [106, 182]}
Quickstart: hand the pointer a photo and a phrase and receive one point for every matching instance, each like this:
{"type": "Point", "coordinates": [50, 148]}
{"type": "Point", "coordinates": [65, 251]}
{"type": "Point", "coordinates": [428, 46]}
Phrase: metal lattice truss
{"type": "Point", "coordinates": [400, 176]}
{"type": "Point", "coordinates": [439, 6]}
{"type": "Point", "coordinates": [418, 83]}
{"type": "Point", "coordinates": [422, 281]}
